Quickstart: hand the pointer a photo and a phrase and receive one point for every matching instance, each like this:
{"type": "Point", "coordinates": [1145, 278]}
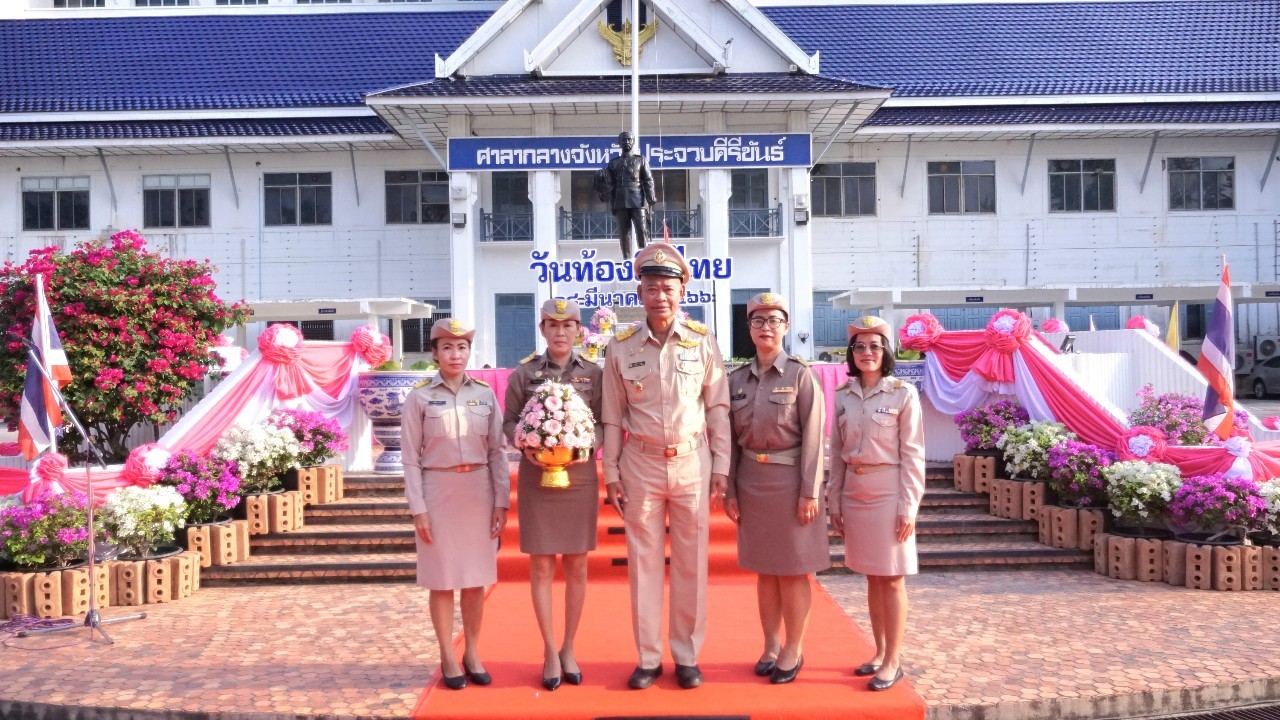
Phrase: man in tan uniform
{"type": "Point", "coordinates": [666, 458]}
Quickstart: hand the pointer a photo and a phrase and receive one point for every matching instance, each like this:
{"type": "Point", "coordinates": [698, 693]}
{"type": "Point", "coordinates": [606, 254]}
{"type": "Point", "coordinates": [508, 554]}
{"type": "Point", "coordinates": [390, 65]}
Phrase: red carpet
{"type": "Point", "coordinates": [512, 652]}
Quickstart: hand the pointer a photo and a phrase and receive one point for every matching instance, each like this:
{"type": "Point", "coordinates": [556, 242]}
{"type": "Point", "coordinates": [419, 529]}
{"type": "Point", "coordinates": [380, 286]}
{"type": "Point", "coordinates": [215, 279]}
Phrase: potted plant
{"type": "Point", "coordinates": [1026, 447]}
{"type": "Point", "coordinates": [262, 453]}
{"type": "Point", "coordinates": [982, 427]}
{"type": "Point", "coordinates": [1075, 473]}
{"type": "Point", "coordinates": [321, 438]}
{"type": "Point", "coordinates": [209, 486]}
{"type": "Point", "coordinates": [50, 532]}
{"type": "Point", "coordinates": [603, 320]}
{"type": "Point", "coordinates": [143, 521]}
{"type": "Point", "coordinates": [1221, 510]}
{"type": "Point", "coordinates": [1138, 494]}
{"type": "Point", "coordinates": [1270, 491]}
{"type": "Point", "coordinates": [1179, 417]}
{"type": "Point", "coordinates": [594, 344]}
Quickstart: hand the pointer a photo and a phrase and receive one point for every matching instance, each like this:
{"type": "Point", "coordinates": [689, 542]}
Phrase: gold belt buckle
{"type": "Point", "coordinates": [860, 470]}
{"type": "Point", "coordinates": [669, 452]}
{"type": "Point", "coordinates": [762, 458]}
{"type": "Point", "coordinates": [466, 468]}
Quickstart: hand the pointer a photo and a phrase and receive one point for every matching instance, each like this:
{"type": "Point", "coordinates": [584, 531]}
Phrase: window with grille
{"type": "Point", "coordinates": [242, 2]}
{"type": "Point", "coordinates": [314, 330]}
{"type": "Point", "coordinates": [417, 331]}
{"type": "Point", "coordinates": [844, 189]}
{"type": "Point", "coordinates": [962, 187]}
{"type": "Point", "coordinates": [162, 3]}
{"type": "Point", "coordinates": [79, 3]}
{"type": "Point", "coordinates": [298, 198]}
{"type": "Point", "coordinates": [175, 201]}
{"type": "Point", "coordinates": [417, 196]}
{"type": "Point", "coordinates": [55, 203]}
{"type": "Point", "coordinates": [1082, 185]}
{"type": "Point", "coordinates": [1202, 183]}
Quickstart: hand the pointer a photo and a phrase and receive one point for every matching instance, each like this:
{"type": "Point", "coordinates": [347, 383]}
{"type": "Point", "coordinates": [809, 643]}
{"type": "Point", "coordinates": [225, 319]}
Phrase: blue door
{"type": "Point", "coordinates": [1105, 317]}
{"type": "Point", "coordinates": [515, 327]}
{"type": "Point", "coordinates": [965, 318]}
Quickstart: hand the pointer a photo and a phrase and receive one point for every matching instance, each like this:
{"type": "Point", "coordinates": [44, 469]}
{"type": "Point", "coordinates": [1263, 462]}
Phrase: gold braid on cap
{"type": "Point", "coordinates": [767, 299]}
{"type": "Point", "coordinates": [868, 321]}
{"type": "Point", "coordinates": [455, 327]}
{"type": "Point", "coordinates": [561, 306]}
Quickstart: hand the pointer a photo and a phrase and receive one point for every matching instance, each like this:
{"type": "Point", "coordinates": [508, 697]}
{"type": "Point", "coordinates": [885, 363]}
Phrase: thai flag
{"type": "Point", "coordinates": [39, 413]}
{"type": "Point", "coordinates": [1218, 361]}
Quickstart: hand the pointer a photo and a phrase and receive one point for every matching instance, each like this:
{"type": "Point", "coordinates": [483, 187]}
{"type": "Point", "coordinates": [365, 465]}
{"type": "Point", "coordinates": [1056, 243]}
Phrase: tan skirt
{"type": "Point", "coordinates": [869, 506]}
{"type": "Point", "coordinates": [557, 522]}
{"type": "Point", "coordinates": [771, 540]}
{"type": "Point", "coordinates": [461, 554]}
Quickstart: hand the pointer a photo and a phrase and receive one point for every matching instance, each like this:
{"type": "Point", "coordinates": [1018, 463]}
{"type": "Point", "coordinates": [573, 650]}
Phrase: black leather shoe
{"type": "Point", "coordinates": [642, 678]}
{"type": "Point", "coordinates": [689, 676]}
{"type": "Point", "coordinates": [454, 683]}
{"type": "Point", "coordinates": [878, 684]}
{"type": "Point", "coordinates": [782, 677]}
{"type": "Point", "coordinates": [866, 669]}
{"type": "Point", "coordinates": [764, 668]}
{"type": "Point", "coordinates": [551, 683]}
{"type": "Point", "coordinates": [573, 678]}
{"type": "Point", "coordinates": [479, 678]}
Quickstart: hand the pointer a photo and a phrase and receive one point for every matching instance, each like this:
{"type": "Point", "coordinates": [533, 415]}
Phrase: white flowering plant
{"type": "Point", "coordinates": [138, 519]}
{"type": "Point", "coordinates": [263, 453]}
{"type": "Point", "coordinates": [555, 416]}
{"type": "Point", "coordinates": [1271, 496]}
{"type": "Point", "coordinates": [1139, 492]}
{"type": "Point", "coordinates": [1026, 447]}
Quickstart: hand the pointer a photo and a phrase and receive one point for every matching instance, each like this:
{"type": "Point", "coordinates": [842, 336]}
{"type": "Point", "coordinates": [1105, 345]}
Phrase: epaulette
{"type": "Point", "coordinates": [800, 360]}
{"type": "Point", "coordinates": [845, 385]}
{"type": "Point", "coordinates": [626, 331]}
{"type": "Point", "coordinates": [423, 383]}
{"type": "Point", "coordinates": [532, 356]}
{"type": "Point", "coordinates": [898, 382]}
{"type": "Point", "coordinates": [695, 326]}
{"type": "Point", "coordinates": [479, 382]}
{"type": "Point", "coordinates": [741, 367]}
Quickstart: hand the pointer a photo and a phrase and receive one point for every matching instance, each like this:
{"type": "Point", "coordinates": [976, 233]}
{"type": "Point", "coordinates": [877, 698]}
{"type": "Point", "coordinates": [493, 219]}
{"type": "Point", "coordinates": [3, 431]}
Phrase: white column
{"type": "Point", "coordinates": [796, 250]}
{"type": "Point", "coordinates": [715, 188]}
{"type": "Point", "coordinates": [544, 194]}
{"type": "Point", "coordinates": [464, 244]}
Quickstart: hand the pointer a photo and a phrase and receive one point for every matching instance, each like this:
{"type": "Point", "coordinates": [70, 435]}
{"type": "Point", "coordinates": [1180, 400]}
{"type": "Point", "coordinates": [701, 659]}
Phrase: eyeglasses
{"type": "Point", "coordinates": [863, 347]}
{"type": "Point", "coordinates": [773, 322]}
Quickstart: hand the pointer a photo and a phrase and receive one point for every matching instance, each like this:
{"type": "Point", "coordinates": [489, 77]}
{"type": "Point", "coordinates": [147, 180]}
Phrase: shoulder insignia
{"type": "Point", "coordinates": [845, 385]}
{"type": "Point", "coordinates": [532, 357]}
{"type": "Point", "coordinates": [625, 332]}
{"type": "Point", "coordinates": [898, 382]}
{"type": "Point", "coordinates": [740, 368]}
{"type": "Point", "coordinates": [479, 382]}
{"type": "Point", "coordinates": [800, 360]}
{"type": "Point", "coordinates": [696, 326]}
{"type": "Point", "coordinates": [423, 383]}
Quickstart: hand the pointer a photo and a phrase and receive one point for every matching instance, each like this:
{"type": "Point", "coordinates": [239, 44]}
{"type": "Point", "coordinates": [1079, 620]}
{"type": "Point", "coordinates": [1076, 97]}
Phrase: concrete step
{"type": "Point", "coordinates": [1001, 555]}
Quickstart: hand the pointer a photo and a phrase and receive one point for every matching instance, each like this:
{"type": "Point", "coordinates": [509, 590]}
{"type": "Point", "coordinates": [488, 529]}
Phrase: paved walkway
{"type": "Point", "coordinates": [1006, 645]}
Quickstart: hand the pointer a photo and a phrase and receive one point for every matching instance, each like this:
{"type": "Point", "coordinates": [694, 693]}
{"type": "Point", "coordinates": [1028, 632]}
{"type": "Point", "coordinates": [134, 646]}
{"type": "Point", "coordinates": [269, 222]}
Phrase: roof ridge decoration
{"type": "Point", "coordinates": [482, 37]}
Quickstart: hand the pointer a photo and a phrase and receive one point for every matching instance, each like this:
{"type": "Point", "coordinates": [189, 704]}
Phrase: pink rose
{"type": "Point", "coordinates": [552, 427]}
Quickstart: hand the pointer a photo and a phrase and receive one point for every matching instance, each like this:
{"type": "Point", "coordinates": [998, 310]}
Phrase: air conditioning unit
{"type": "Point", "coordinates": [1265, 347]}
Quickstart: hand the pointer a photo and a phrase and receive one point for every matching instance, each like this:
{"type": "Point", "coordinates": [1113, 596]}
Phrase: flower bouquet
{"type": "Point", "coordinates": [603, 320]}
{"type": "Point", "coordinates": [1026, 447]}
{"type": "Point", "coordinates": [209, 485]}
{"type": "Point", "coordinates": [139, 519]}
{"type": "Point", "coordinates": [594, 344]}
{"type": "Point", "coordinates": [556, 430]}
{"type": "Point", "coordinates": [321, 438]}
{"type": "Point", "coordinates": [49, 531]}
{"type": "Point", "coordinates": [1075, 472]}
{"type": "Point", "coordinates": [1220, 506]}
{"type": "Point", "coordinates": [982, 426]}
{"type": "Point", "coordinates": [263, 453]}
{"type": "Point", "coordinates": [1139, 492]}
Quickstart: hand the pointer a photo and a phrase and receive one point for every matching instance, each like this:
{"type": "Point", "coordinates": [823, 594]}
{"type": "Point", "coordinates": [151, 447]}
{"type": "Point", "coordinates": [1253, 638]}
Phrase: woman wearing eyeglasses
{"type": "Point", "coordinates": [775, 483]}
{"type": "Point", "coordinates": [877, 482]}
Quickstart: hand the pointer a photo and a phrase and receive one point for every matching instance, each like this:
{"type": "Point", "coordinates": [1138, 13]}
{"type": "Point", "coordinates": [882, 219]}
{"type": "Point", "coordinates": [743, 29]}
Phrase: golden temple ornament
{"type": "Point", "coordinates": [620, 40]}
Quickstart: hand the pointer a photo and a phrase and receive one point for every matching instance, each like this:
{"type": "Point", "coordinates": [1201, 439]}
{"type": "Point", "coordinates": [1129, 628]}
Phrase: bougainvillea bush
{"type": "Point", "coordinates": [137, 326]}
{"type": "Point", "coordinates": [1180, 417]}
{"type": "Point", "coordinates": [1026, 447]}
{"type": "Point", "coordinates": [321, 438]}
{"type": "Point", "coordinates": [50, 531]}
{"type": "Point", "coordinates": [1218, 504]}
{"type": "Point", "coordinates": [209, 485]}
{"type": "Point", "coordinates": [1075, 473]}
{"type": "Point", "coordinates": [981, 427]}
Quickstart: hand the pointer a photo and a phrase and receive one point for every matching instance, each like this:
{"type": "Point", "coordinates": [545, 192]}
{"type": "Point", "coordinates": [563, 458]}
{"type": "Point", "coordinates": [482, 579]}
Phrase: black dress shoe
{"type": "Point", "coordinates": [866, 669]}
{"type": "Point", "coordinates": [878, 684]}
{"type": "Point", "coordinates": [782, 677]}
{"type": "Point", "coordinates": [479, 678]}
{"type": "Point", "coordinates": [764, 668]}
{"type": "Point", "coordinates": [642, 678]}
{"type": "Point", "coordinates": [573, 678]}
{"type": "Point", "coordinates": [454, 683]}
{"type": "Point", "coordinates": [551, 683]}
{"type": "Point", "coordinates": [688, 676]}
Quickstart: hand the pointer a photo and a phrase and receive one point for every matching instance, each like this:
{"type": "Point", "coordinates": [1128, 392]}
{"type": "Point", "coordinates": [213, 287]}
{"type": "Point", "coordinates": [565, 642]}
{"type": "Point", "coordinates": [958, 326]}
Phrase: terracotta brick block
{"type": "Point", "coordinates": [1066, 528]}
{"type": "Point", "coordinates": [1148, 558]}
{"type": "Point", "coordinates": [1090, 520]}
{"type": "Point", "coordinates": [18, 597]}
{"type": "Point", "coordinates": [995, 492]}
{"type": "Point", "coordinates": [1199, 567]}
{"type": "Point", "coordinates": [1251, 568]}
{"type": "Point", "coordinates": [1120, 557]}
{"type": "Point", "coordinates": [198, 539]}
{"type": "Point", "coordinates": [180, 573]}
{"type": "Point", "coordinates": [962, 472]}
{"type": "Point", "coordinates": [329, 483]}
{"type": "Point", "coordinates": [195, 575]}
{"type": "Point", "coordinates": [299, 515]}
{"type": "Point", "coordinates": [159, 581]}
{"type": "Point", "coordinates": [1045, 521]}
{"type": "Point", "coordinates": [1032, 499]}
{"type": "Point", "coordinates": [1228, 568]}
{"type": "Point", "coordinates": [1100, 558]}
{"type": "Point", "coordinates": [280, 512]}
{"type": "Point", "coordinates": [339, 487]}
{"type": "Point", "coordinates": [1271, 568]}
{"type": "Point", "coordinates": [310, 485]}
{"type": "Point", "coordinates": [222, 544]}
{"type": "Point", "coordinates": [46, 589]}
{"type": "Point", "coordinates": [127, 585]}
{"type": "Point", "coordinates": [256, 513]}
{"type": "Point", "coordinates": [242, 539]}
{"type": "Point", "coordinates": [984, 471]}
{"type": "Point", "coordinates": [75, 591]}
{"type": "Point", "coordinates": [1175, 563]}
{"type": "Point", "coordinates": [102, 584]}
{"type": "Point", "coordinates": [1011, 499]}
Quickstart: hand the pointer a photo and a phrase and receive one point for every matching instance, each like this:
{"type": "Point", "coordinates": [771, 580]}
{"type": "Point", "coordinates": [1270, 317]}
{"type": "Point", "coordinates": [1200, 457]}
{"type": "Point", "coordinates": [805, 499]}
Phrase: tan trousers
{"type": "Point", "coordinates": [660, 489]}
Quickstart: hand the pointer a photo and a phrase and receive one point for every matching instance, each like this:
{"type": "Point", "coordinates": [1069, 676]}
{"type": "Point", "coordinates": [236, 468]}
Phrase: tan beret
{"type": "Point", "coordinates": [767, 301]}
{"type": "Point", "coordinates": [561, 309]}
{"type": "Point", "coordinates": [870, 324]}
{"type": "Point", "coordinates": [452, 329]}
{"type": "Point", "coordinates": [662, 259]}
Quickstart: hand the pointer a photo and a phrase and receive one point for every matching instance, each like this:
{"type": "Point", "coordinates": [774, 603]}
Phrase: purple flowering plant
{"type": "Point", "coordinates": [1075, 473]}
{"type": "Point", "coordinates": [1220, 505]}
{"type": "Point", "coordinates": [209, 485]}
{"type": "Point", "coordinates": [1180, 417]}
{"type": "Point", "coordinates": [321, 438]}
{"type": "Point", "coordinates": [49, 531]}
{"type": "Point", "coordinates": [981, 427]}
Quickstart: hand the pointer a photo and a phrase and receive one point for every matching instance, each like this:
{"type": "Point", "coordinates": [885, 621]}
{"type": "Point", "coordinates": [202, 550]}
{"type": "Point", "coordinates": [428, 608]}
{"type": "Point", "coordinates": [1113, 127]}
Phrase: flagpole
{"type": "Point", "coordinates": [42, 342]}
{"type": "Point", "coordinates": [635, 74]}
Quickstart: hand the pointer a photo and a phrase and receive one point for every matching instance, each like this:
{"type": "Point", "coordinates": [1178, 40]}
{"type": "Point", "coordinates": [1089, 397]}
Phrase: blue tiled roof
{"type": "Point", "coordinates": [219, 61]}
{"type": "Point", "coordinates": [164, 129]}
{"type": "Point", "coordinates": [1184, 46]}
{"type": "Point", "coordinates": [527, 85]}
{"type": "Point", "coordinates": [1172, 113]}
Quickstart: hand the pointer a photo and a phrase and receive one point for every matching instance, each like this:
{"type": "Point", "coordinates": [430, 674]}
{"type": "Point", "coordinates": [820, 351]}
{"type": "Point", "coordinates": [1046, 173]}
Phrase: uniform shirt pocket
{"type": "Point", "coordinates": [689, 376]}
{"type": "Point", "coordinates": [436, 421]}
{"type": "Point", "coordinates": [740, 414]}
{"type": "Point", "coordinates": [784, 405]}
{"type": "Point", "coordinates": [478, 419]}
{"type": "Point", "coordinates": [886, 425]}
{"type": "Point", "coordinates": [638, 381]}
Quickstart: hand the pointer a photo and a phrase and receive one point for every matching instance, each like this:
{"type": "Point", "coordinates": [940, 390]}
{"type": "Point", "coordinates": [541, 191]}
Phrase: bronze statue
{"type": "Point", "coordinates": [627, 185]}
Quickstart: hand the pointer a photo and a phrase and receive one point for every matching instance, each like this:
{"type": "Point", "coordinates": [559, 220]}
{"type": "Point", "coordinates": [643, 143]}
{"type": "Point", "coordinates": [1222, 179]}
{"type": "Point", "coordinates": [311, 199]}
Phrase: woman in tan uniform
{"type": "Point", "coordinates": [775, 481]}
{"type": "Point", "coordinates": [877, 482]}
{"type": "Point", "coordinates": [557, 521]}
{"type": "Point", "coordinates": [458, 486]}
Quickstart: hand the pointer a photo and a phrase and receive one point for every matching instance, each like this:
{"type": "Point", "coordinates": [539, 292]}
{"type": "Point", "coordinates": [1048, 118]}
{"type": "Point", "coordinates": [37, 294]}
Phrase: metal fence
{"type": "Point", "coordinates": [506, 227]}
{"type": "Point", "coordinates": [756, 222]}
{"type": "Point", "coordinates": [601, 225]}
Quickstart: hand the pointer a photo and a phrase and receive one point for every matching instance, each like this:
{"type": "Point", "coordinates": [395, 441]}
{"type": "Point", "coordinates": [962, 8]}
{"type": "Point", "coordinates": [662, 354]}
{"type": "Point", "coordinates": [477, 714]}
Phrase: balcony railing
{"type": "Point", "coordinates": [600, 224]}
{"type": "Point", "coordinates": [506, 227]}
{"type": "Point", "coordinates": [756, 222]}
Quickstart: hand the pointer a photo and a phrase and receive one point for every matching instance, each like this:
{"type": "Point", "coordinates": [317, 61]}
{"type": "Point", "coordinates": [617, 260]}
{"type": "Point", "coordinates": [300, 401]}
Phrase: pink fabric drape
{"type": "Point", "coordinates": [14, 480]}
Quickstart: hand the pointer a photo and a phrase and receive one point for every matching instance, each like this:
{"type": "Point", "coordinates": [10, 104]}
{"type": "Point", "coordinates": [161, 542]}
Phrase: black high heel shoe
{"type": "Point", "coordinates": [878, 684]}
{"type": "Point", "coordinates": [479, 678]}
{"type": "Point", "coordinates": [456, 682]}
{"type": "Point", "coordinates": [782, 677]}
{"type": "Point", "coordinates": [764, 668]}
{"type": "Point", "coordinates": [551, 683]}
{"type": "Point", "coordinates": [572, 678]}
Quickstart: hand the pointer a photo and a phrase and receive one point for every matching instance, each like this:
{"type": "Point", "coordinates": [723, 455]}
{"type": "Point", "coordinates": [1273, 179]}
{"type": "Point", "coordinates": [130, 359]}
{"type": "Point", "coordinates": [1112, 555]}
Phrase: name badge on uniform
{"type": "Point", "coordinates": [784, 390]}
{"type": "Point", "coordinates": [581, 379]}
{"type": "Point", "coordinates": [690, 356]}
{"type": "Point", "coordinates": [436, 402]}
{"type": "Point", "coordinates": [537, 381]}
{"type": "Point", "coordinates": [742, 395]}
{"type": "Point", "coordinates": [636, 364]}
{"type": "Point", "coordinates": [887, 411]}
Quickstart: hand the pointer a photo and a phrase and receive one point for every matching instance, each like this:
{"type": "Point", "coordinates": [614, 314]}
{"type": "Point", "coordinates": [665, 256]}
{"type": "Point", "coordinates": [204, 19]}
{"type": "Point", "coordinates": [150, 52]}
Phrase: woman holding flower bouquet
{"type": "Point", "coordinates": [457, 484]}
{"type": "Point", "coordinates": [556, 521]}
{"type": "Point", "coordinates": [775, 484]}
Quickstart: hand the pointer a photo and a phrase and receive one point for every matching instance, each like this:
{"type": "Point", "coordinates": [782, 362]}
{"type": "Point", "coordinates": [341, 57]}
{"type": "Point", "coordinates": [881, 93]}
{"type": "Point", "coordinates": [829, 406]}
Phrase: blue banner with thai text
{"type": "Point", "coordinates": [669, 152]}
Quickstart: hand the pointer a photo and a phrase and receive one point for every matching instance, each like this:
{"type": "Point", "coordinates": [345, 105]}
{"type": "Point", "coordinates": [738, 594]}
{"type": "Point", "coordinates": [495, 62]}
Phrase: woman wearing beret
{"type": "Point", "coordinates": [877, 482]}
{"type": "Point", "coordinates": [775, 480]}
{"type": "Point", "coordinates": [458, 486]}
